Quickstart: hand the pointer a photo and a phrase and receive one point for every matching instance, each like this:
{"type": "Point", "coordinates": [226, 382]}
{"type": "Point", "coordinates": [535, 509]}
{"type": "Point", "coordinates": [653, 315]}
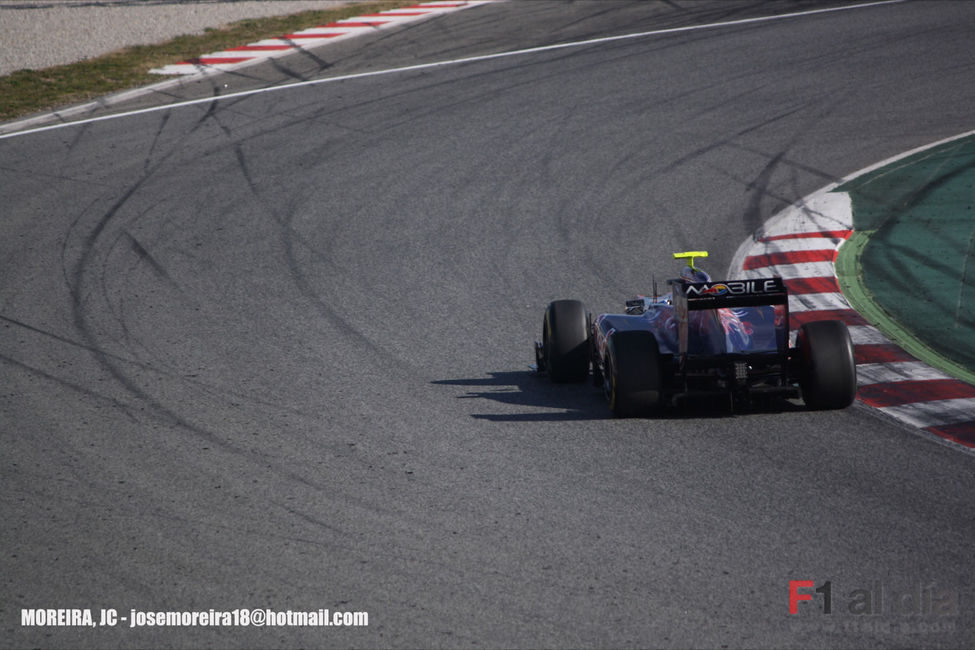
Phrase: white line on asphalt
{"type": "Point", "coordinates": [460, 61]}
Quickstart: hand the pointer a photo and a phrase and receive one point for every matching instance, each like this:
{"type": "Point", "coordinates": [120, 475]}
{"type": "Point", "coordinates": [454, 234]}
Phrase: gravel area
{"type": "Point", "coordinates": [37, 34]}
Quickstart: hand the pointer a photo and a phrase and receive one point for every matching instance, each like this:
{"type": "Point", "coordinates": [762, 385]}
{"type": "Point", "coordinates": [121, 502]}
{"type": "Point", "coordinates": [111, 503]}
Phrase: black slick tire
{"type": "Point", "coordinates": [827, 373]}
{"type": "Point", "coordinates": [633, 378]}
{"type": "Point", "coordinates": [565, 341]}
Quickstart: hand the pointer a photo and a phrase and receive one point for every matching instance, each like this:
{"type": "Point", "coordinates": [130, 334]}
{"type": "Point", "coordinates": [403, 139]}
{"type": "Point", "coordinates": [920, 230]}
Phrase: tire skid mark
{"type": "Point", "coordinates": [81, 273]}
{"type": "Point", "coordinates": [81, 389]}
{"type": "Point", "coordinates": [85, 327]}
{"type": "Point", "coordinates": [289, 237]}
{"type": "Point", "coordinates": [163, 370]}
{"type": "Point", "coordinates": [80, 276]}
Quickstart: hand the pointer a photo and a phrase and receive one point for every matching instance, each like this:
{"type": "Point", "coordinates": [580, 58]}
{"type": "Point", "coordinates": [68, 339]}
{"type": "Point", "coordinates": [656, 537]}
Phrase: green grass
{"type": "Point", "coordinates": [30, 91]}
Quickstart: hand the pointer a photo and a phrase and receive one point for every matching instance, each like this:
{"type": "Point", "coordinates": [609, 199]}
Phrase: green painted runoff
{"type": "Point", "coordinates": [917, 264]}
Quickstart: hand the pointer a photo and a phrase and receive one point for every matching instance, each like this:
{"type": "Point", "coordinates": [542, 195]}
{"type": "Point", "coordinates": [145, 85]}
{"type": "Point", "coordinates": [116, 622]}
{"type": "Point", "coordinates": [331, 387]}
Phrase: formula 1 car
{"type": "Point", "coordinates": [728, 339]}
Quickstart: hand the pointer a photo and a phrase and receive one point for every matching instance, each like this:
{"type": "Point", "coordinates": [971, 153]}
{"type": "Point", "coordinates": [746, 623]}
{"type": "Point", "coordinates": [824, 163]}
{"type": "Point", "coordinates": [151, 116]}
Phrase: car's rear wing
{"type": "Point", "coordinates": [729, 294]}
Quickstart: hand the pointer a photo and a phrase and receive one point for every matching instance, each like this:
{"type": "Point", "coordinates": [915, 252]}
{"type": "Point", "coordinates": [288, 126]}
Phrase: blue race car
{"type": "Point", "coordinates": [703, 339]}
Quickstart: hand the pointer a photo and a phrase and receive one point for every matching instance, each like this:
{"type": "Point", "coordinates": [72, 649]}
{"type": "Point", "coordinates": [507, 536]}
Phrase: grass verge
{"type": "Point", "coordinates": [30, 91]}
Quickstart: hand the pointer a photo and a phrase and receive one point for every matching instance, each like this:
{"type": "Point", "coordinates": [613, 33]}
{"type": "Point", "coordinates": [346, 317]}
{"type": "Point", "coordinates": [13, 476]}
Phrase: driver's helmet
{"type": "Point", "coordinates": [693, 274]}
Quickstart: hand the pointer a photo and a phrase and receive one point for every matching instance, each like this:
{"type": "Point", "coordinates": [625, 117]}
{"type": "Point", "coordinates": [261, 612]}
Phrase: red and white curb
{"type": "Point", "coordinates": [313, 37]}
{"type": "Point", "coordinates": [800, 245]}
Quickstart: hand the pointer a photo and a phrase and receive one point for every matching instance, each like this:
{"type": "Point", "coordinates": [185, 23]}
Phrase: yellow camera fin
{"type": "Point", "coordinates": [690, 256]}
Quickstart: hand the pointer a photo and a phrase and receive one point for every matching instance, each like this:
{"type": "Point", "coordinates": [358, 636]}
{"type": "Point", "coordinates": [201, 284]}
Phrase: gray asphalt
{"type": "Point", "coordinates": [272, 351]}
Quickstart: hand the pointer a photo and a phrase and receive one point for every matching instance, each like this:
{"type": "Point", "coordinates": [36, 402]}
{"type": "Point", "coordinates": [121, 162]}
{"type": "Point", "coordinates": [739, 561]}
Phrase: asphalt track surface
{"type": "Point", "coordinates": [271, 351]}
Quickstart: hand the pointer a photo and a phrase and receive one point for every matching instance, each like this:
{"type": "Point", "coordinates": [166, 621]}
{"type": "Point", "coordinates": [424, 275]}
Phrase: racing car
{"type": "Point", "coordinates": [703, 339]}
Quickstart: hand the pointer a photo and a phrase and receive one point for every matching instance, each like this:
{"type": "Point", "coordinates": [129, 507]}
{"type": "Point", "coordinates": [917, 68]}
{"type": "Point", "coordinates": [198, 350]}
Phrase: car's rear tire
{"type": "Point", "coordinates": [633, 374]}
{"type": "Point", "coordinates": [565, 341]}
{"type": "Point", "coordinates": [827, 373]}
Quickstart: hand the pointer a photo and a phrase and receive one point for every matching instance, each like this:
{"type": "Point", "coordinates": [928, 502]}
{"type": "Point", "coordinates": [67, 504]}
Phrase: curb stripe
{"type": "Point", "coordinates": [963, 432]}
{"type": "Point", "coordinates": [218, 60]}
{"type": "Point", "coordinates": [818, 302]}
{"type": "Point", "coordinates": [791, 271]}
{"type": "Point", "coordinates": [880, 373]}
{"type": "Point", "coordinates": [827, 234]}
{"type": "Point", "coordinates": [866, 335]}
{"type": "Point", "coordinates": [930, 414]}
{"type": "Point", "coordinates": [847, 316]}
{"type": "Point", "coordinates": [914, 390]}
{"type": "Point", "coordinates": [790, 257]}
{"type": "Point", "coordinates": [292, 37]}
{"type": "Point", "coordinates": [394, 13]}
{"type": "Point", "coordinates": [354, 23]}
{"type": "Point", "coordinates": [260, 48]}
{"type": "Point", "coordinates": [881, 353]}
{"type": "Point", "coordinates": [800, 286]}
{"type": "Point", "coordinates": [313, 37]}
{"type": "Point", "coordinates": [793, 244]}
